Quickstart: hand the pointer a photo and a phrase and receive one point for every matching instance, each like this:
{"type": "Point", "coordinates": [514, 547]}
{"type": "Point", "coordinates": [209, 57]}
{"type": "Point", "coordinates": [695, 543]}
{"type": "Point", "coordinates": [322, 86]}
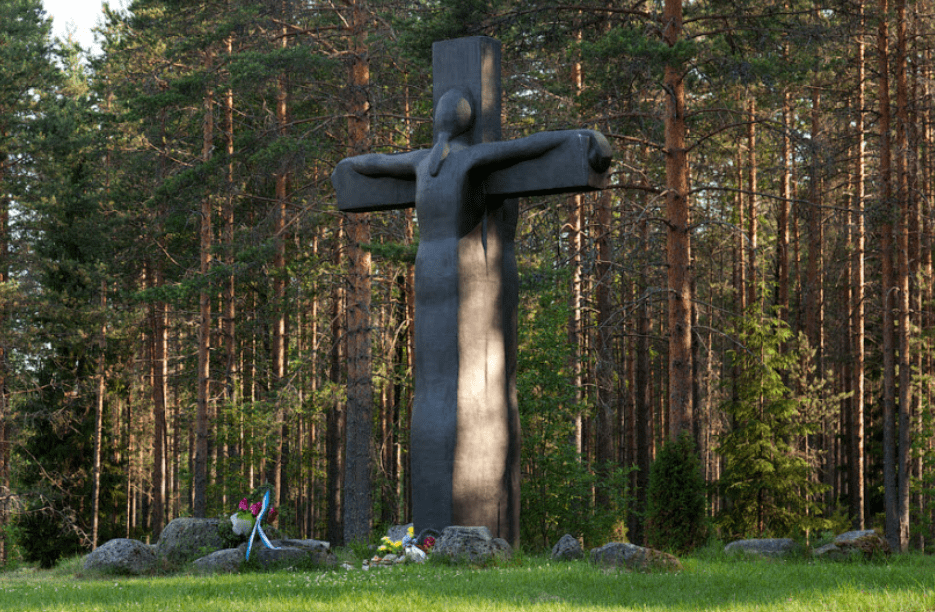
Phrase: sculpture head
{"type": "Point", "coordinates": [454, 113]}
{"type": "Point", "coordinates": [454, 116]}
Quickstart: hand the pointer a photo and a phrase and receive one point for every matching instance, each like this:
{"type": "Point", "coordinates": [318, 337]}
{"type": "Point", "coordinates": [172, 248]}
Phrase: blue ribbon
{"type": "Point", "coordinates": [257, 528]}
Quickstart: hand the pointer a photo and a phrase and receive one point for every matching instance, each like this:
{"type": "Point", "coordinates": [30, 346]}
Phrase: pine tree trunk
{"type": "Point", "coordinates": [887, 287]}
{"type": "Point", "coordinates": [357, 509]}
{"type": "Point", "coordinates": [855, 462]}
{"type": "Point", "coordinates": [159, 368]}
{"type": "Point", "coordinates": [200, 480]}
{"type": "Point", "coordinates": [815, 283]}
{"type": "Point", "coordinates": [337, 415]}
{"type": "Point", "coordinates": [740, 242]}
{"type": "Point", "coordinates": [280, 274]}
{"type": "Point", "coordinates": [575, 298]}
{"type": "Point", "coordinates": [903, 274]}
{"type": "Point", "coordinates": [814, 291]}
{"type": "Point", "coordinates": [782, 223]}
{"type": "Point", "coordinates": [606, 452]}
{"type": "Point", "coordinates": [678, 236]}
{"type": "Point", "coordinates": [752, 211]}
{"type": "Point", "coordinates": [5, 472]}
{"type": "Point", "coordinates": [229, 325]}
{"type": "Point", "coordinates": [159, 374]}
{"type": "Point", "coordinates": [926, 266]}
{"type": "Point", "coordinates": [99, 390]}
{"type": "Point", "coordinates": [643, 406]}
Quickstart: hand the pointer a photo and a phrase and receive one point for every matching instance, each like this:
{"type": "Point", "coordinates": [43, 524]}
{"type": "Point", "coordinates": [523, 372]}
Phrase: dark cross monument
{"type": "Point", "coordinates": [465, 438]}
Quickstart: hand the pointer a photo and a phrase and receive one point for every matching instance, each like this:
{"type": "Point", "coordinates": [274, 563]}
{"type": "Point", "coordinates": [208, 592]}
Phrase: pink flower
{"type": "Point", "coordinates": [272, 514]}
{"type": "Point", "coordinates": [255, 508]}
{"type": "Point", "coordinates": [244, 504]}
{"type": "Point", "coordinates": [429, 542]}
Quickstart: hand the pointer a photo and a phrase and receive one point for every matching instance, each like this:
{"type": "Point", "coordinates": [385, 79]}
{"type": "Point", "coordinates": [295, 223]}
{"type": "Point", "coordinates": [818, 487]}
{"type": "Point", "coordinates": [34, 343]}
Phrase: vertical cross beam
{"type": "Point", "coordinates": [478, 481]}
{"type": "Point", "coordinates": [472, 64]}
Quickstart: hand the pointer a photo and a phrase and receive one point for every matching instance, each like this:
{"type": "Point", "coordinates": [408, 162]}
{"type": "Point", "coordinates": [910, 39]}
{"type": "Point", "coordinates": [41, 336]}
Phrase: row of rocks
{"type": "Point", "coordinates": [197, 543]}
{"type": "Point", "coordinates": [863, 543]}
{"type": "Point", "coordinates": [617, 554]}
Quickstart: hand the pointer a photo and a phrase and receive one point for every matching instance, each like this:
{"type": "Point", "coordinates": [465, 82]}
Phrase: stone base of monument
{"type": "Point", "coordinates": [472, 545]}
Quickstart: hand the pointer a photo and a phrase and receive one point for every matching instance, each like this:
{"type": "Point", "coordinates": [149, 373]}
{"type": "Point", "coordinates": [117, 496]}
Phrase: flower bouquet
{"type": "Point", "coordinates": [246, 514]}
{"type": "Point", "coordinates": [391, 552]}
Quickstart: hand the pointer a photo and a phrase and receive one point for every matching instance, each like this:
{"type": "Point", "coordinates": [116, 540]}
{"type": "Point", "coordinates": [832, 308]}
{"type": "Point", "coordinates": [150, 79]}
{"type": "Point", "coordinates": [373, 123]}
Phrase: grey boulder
{"type": "Point", "coordinates": [122, 556]}
{"type": "Point", "coordinates": [764, 547]}
{"type": "Point", "coordinates": [567, 548]}
{"type": "Point", "coordinates": [633, 557]}
{"type": "Point", "coordinates": [864, 543]}
{"type": "Point", "coordinates": [185, 539]}
{"type": "Point", "coordinates": [226, 561]}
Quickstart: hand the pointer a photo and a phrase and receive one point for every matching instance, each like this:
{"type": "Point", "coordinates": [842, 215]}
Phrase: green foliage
{"type": "Point", "coordinates": [558, 485]}
{"type": "Point", "coordinates": [448, 19]}
{"type": "Point", "coordinates": [767, 481]}
{"type": "Point", "coordinates": [45, 537]}
{"type": "Point", "coordinates": [393, 251]}
{"type": "Point", "coordinates": [636, 46]}
{"type": "Point", "coordinates": [676, 506]}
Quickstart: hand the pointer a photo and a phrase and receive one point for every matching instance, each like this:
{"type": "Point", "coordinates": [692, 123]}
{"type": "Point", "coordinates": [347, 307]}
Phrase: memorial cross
{"type": "Point", "coordinates": [465, 435]}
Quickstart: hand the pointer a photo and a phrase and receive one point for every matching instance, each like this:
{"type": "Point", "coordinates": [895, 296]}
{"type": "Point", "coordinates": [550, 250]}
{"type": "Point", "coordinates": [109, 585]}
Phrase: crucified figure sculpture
{"type": "Point", "coordinates": [465, 423]}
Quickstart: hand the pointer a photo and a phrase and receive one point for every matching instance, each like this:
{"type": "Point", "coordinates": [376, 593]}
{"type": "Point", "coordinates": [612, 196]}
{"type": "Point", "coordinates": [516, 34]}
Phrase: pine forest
{"type": "Point", "coordinates": [185, 316]}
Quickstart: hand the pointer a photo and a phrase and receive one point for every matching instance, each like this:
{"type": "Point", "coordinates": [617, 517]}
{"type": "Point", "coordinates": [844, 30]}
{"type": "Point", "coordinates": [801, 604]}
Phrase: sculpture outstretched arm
{"type": "Point", "coordinates": [397, 165]}
{"type": "Point", "coordinates": [508, 152]}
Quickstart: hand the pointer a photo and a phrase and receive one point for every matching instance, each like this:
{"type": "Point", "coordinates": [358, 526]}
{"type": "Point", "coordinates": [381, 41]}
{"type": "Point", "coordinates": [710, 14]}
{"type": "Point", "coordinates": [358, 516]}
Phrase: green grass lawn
{"type": "Point", "coordinates": [905, 584]}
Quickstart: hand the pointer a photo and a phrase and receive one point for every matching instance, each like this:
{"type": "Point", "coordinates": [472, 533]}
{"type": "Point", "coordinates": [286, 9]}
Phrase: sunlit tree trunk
{"type": "Point", "coordinates": [782, 222]}
{"type": "Point", "coordinates": [337, 415]}
{"type": "Point", "coordinates": [99, 391]}
{"type": "Point", "coordinates": [678, 235]}
{"type": "Point", "coordinates": [740, 242]}
{"type": "Point", "coordinates": [858, 239]}
{"type": "Point", "coordinates": [574, 228]}
{"type": "Point", "coordinates": [278, 349]}
{"type": "Point", "coordinates": [357, 509]}
{"type": "Point", "coordinates": [814, 291]}
{"type": "Point", "coordinates": [229, 303]}
{"type": "Point", "coordinates": [752, 208]}
{"type": "Point", "coordinates": [159, 340]}
{"type": "Point", "coordinates": [573, 231]}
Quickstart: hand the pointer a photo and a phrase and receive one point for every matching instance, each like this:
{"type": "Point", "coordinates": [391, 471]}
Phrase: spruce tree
{"type": "Point", "coordinates": [676, 507]}
{"type": "Point", "coordinates": [68, 462]}
{"type": "Point", "coordinates": [766, 482]}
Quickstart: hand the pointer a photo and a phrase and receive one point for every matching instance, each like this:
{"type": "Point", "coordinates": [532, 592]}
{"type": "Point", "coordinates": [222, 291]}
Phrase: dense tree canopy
{"type": "Point", "coordinates": [184, 315]}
